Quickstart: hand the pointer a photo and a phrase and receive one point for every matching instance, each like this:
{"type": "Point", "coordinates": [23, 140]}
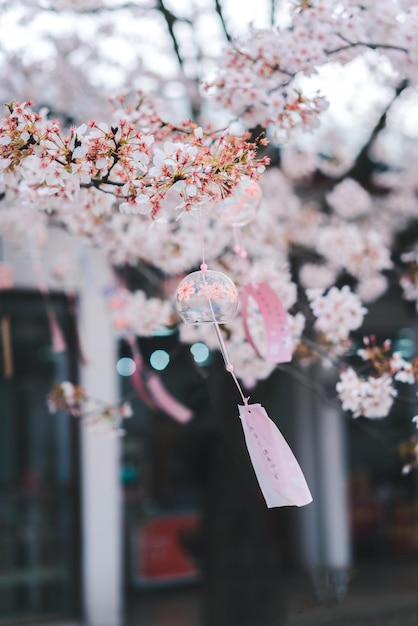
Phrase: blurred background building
{"type": "Point", "coordinates": [93, 526]}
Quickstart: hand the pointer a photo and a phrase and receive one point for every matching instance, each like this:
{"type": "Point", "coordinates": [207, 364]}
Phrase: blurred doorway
{"type": "Point", "coordinates": [39, 487]}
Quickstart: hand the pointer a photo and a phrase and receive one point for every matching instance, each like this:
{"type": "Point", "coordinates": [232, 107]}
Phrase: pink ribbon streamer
{"type": "Point", "coordinates": [153, 393]}
{"type": "Point", "coordinates": [166, 402]}
{"type": "Point", "coordinates": [278, 473]}
{"type": "Point", "coordinates": [137, 377]}
{"type": "Point", "coordinates": [72, 307]}
{"type": "Point", "coordinates": [57, 338]}
{"type": "Point", "coordinates": [278, 335]}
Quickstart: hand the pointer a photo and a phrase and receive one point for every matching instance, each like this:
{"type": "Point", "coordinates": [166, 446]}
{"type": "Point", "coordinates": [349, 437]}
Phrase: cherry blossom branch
{"type": "Point", "coordinates": [109, 8]}
{"type": "Point", "coordinates": [337, 363]}
{"type": "Point", "coordinates": [255, 76]}
{"type": "Point", "coordinates": [201, 167]}
{"type": "Point", "coordinates": [272, 68]}
{"type": "Point", "coordinates": [356, 44]}
{"type": "Point", "coordinates": [72, 399]}
{"type": "Point", "coordinates": [98, 182]}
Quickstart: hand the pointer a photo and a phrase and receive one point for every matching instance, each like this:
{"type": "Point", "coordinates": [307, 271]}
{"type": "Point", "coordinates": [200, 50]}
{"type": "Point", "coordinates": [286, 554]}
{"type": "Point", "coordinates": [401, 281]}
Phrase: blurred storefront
{"type": "Point", "coordinates": [60, 498]}
{"type": "Point", "coordinates": [92, 525]}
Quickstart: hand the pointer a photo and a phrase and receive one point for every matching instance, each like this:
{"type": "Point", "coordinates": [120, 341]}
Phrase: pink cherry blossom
{"type": "Point", "coordinates": [185, 290]}
{"type": "Point", "coordinates": [371, 397]}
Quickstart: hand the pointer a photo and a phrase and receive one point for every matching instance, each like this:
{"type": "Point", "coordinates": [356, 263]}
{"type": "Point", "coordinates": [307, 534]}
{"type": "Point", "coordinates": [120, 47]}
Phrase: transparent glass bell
{"type": "Point", "coordinates": [241, 207]}
{"type": "Point", "coordinates": [205, 297]}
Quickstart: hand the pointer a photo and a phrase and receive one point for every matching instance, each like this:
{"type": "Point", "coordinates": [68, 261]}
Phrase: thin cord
{"type": "Point", "coordinates": [228, 364]}
{"type": "Point", "coordinates": [241, 253]}
{"type": "Point", "coordinates": [202, 239]}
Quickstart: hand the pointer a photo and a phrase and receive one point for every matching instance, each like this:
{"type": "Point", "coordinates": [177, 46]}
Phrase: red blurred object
{"type": "Point", "coordinates": [404, 529]}
{"type": "Point", "coordinates": [159, 554]}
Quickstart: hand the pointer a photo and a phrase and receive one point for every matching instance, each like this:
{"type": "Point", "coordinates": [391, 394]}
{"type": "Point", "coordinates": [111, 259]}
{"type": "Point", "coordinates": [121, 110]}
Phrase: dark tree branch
{"type": "Point", "coordinates": [355, 44]}
{"type": "Point", "coordinates": [272, 12]}
{"type": "Point", "coordinates": [219, 11]}
{"type": "Point", "coordinates": [338, 364]}
{"type": "Point", "coordinates": [170, 20]}
{"type": "Point", "coordinates": [364, 166]}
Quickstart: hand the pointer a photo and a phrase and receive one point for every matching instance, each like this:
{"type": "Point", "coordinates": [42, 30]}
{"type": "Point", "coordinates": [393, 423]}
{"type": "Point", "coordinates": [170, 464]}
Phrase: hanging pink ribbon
{"type": "Point", "coordinates": [6, 282]}
{"type": "Point", "coordinates": [278, 335]}
{"type": "Point", "coordinates": [72, 307]}
{"type": "Point", "coordinates": [57, 338]}
{"type": "Point", "coordinates": [152, 392]}
{"type": "Point", "coordinates": [137, 377]}
{"type": "Point", "coordinates": [166, 402]}
{"type": "Point", "coordinates": [278, 473]}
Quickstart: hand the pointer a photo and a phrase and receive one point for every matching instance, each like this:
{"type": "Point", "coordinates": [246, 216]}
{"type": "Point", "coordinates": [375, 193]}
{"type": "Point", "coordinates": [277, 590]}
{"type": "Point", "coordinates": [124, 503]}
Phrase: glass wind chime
{"type": "Point", "coordinates": [210, 297]}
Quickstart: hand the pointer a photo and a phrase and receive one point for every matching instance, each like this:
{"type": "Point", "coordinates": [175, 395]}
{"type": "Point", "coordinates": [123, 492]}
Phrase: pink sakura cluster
{"type": "Point", "coordinates": [354, 235]}
{"type": "Point", "coordinates": [337, 313]}
{"type": "Point", "coordinates": [135, 313]}
{"type": "Point", "coordinates": [72, 399]}
{"type": "Point", "coordinates": [138, 168]}
{"type": "Point", "coordinates": [372, 396]}
{"type": "Point", "coordinates": [256, 88]}
{"type": "Point", "coordinates": [361, 251]}
{"type": "Point", "coordinates": [409, 278]}
{"type": "Point", "coordinates": [259, 79]}
{"type": "Point", "coordinates": [66, 397]}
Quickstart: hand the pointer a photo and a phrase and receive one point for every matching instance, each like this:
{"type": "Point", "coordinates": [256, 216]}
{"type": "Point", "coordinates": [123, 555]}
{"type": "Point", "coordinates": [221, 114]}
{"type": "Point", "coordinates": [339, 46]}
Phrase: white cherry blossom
{"type": "Point", "coordinates": [337, 312]}
{"type": "Point", "coordinates": [371, 397]}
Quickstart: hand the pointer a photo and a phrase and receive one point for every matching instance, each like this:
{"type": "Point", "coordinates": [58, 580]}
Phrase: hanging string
{"type": "Point", "coordinates": [228, 365]}
{"type": "Point", "coordinates": [241, 253]}
{"type": "Point", "coordinates": [57, 338]}
{"type": "Point", "coordinates": [6, 282]}
{"type": "Point", "coordinates": [202, 241]}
